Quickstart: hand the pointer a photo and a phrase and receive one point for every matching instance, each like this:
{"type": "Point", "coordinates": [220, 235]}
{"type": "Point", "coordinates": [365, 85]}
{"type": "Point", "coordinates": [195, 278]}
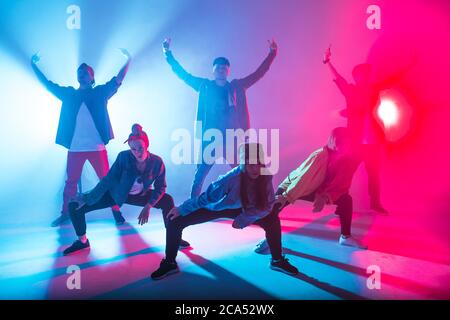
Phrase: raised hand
{"type": "Point", "coordinates": [35, 58]}
{"type": "Point", "coordinates": [327, 55]}
{"type": "Point", "coordinates": [125, 53]}
{"type": "Point", "coordinates": [273, 45]}
{"type": "Point", "coordinates": [166, 44]}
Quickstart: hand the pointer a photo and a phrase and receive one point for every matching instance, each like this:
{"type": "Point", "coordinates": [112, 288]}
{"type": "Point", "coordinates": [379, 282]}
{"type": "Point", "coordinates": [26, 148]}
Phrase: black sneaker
{"type": "Point", "coordinates": [283, 265]}
{"type": "Point", "coordinates": [262, 247]}
{"type": "Point", "coordinates": [165, 269]}
{"type": "Point", "coordinates": [63, 218]}
{"type": "Point", "coordinates": [118, 217]}
{"type": "Point", "coordinates": [76, 246]}
{"type": "Point", "coordinates": [184, 244]}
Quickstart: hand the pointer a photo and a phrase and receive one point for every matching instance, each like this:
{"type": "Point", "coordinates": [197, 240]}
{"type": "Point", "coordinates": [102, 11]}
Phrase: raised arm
{"type": "Point", "coordinates": [252, 78]}
{"type": "Point", "coordinates": [189, 79]}
{"type": "Point", "coordinates": [122, 73]}
{"type": "Point", "coordinates": [54, 88]}
{"type": "Point", "coordinates": [337, 78]}
{"type": "Point", "coordinates": [110, 88]}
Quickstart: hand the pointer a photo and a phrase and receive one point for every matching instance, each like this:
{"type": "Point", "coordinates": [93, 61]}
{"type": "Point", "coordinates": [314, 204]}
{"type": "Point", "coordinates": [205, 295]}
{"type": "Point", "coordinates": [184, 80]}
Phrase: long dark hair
{"type": "Point", "coordinates": [261, 182]}
{"type": "Point", "coordinates": [261, 191]}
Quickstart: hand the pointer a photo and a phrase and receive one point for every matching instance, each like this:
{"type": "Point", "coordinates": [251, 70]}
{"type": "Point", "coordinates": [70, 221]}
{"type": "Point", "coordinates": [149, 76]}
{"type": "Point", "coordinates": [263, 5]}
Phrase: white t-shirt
{"type": "Point", "coordinates": [86, 136]}
{"type": "Point", "coordinates": [137, 187]}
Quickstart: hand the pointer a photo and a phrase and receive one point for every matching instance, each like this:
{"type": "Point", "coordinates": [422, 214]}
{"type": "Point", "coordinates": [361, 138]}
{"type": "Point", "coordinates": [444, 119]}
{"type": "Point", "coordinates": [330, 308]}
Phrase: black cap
{"type": "Point", "coordinates": [221, 60]}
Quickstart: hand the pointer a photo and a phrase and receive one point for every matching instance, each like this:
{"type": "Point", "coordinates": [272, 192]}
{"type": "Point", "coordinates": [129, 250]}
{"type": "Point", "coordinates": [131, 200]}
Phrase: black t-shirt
{"type": "Point", "coordinates": [219, 113]}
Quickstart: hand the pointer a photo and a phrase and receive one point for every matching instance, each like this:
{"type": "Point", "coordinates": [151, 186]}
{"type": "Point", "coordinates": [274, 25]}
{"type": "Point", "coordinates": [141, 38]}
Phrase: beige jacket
{"type": "Point", "coordinates": [321, 174]}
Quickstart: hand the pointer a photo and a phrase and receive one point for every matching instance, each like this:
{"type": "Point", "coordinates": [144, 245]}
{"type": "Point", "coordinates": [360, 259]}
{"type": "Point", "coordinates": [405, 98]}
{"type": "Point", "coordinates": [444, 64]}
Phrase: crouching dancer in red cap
{"type": "Point", "coordinates": [129, 181]}
{"type": "Point", "coordinates": [243, 194]}
{"type": "Point", "coordinates": [324, 178]}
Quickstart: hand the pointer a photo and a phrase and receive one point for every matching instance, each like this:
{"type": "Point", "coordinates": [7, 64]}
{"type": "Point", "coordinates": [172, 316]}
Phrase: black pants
{"type": "Point", "coordinates": [344, 209]}
{"type": "Point", "coordinates": [79, 219]}
{"type": "Point", "coordinates": [270, 224]}
{"type": "Point", "coordinates": [370, 154]}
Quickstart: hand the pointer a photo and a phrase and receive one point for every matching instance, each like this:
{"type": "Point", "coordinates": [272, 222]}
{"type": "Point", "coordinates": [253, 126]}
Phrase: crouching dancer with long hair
{"type": "Point", "coordinates": [243, 194]}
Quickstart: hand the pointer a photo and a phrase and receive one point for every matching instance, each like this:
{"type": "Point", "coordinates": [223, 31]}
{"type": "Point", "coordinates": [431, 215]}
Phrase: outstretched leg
{"type": "Point", "coordinates": [78, 217]}
{"type": "Point", "coordinates": [174, 230]}
{"type": "Point", "coordinates": [272, 227]}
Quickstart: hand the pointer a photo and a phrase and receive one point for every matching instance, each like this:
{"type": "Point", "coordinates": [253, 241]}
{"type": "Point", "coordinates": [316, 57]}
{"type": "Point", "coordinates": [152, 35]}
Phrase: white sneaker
{"type": "Point", "coordinates": [351, 242]}
{"type": "Point", "coordinates": [262, 246]}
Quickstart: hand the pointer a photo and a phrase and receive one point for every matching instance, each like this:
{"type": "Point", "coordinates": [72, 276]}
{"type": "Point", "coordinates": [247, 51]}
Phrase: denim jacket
{"type": "Point", "coordinates": [225, 193]}
{"type": "Point", "coordinates": [96, 100]}
{"type": "Point", "coordinates": [236, 92]}
{"type": "Point", "coordinates": [123, 174]}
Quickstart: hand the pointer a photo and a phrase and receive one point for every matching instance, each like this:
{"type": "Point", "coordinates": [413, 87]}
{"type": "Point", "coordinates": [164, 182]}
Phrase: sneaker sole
{"type": "Point", "coordinates": [75, 252]}
{"type": "Point", "coordinates": [265, 250]}
{"type": "Point", "coordinates": [181, 247]}
{"type": "Point", "coordinates": [357, 247]}
{"type": "Point", "coordinates": [282, 270]}
{"type": "Point", "coordinates": [60, 224]}
{"type": "Point", "coordinates": [373, 211]}
{"type": "Point", "coordinates": [167, 274]}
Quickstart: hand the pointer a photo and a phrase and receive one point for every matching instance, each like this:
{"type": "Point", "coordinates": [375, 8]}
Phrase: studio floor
{"type": "Point", "coordinates": [221, 263]}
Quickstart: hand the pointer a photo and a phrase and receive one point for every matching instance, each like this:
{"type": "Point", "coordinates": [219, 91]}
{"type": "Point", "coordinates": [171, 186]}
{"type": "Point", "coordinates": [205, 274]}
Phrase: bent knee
{"type": "Point", "coordinates": [166, 201]}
